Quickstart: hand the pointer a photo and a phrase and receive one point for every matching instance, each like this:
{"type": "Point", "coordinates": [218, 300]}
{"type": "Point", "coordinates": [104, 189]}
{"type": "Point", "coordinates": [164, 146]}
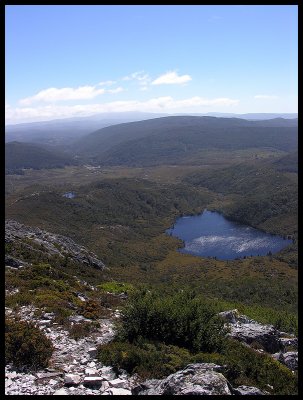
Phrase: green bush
{"type": "Point", "coordinates": [148, 359]}
{"type": "Point", "coordinates": [116, 287]}
{"type": "Point", "coordinates": [182, 319]}
{"type": "Point", "coordinates": [245, 366]}
{"type": "Point", "coordinates": [25, 345]}
{"type": "Point", "coordinates": [78, 331]}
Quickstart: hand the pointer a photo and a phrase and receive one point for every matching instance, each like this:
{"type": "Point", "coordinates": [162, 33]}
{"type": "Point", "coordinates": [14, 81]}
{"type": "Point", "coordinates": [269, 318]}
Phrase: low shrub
{"type": "Point", "coordinates": [78, 331]}
{"type": "Point", "coordinates": [181, 319]}
{"type": "Point", "coordinates": [116, 287]}
{"type": "Point", "coordinates": [25, 345]}
{"type": "Point", "coordinates": [148, 359]}
{"type": "Point", "coordinates": [245, 366]}
{"type": "Point", "coordinates": [91, 309]}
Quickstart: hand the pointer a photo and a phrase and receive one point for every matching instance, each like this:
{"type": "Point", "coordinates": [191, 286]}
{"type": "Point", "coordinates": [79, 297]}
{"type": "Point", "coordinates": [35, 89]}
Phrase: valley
{"type": "Point", "coordinates": [125, 198]}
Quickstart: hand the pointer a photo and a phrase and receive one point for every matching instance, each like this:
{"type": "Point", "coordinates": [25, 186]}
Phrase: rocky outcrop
{"type": "Point", "coordinates": [289, 359]}
{"type": "Point", "coordinates": [249, 331]}
{"type": "Point", "coordinates": [52, 244]}
{"type": "Point", "coordinates": [195, 379]}
{"type": "Point", "coordinates": [266, 337]}
{"type": "Point", "coordinates": [247, 390]}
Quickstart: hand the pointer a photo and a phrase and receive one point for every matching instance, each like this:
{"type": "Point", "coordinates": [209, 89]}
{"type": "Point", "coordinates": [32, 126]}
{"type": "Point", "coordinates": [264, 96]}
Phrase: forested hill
{"type": "Point", "coordinates": [175, 139]}
{"type": "Point", "coordinates": [25, 155]}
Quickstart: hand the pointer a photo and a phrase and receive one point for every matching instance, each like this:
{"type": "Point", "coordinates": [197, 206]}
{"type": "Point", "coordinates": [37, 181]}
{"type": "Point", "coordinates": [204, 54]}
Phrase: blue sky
{"type": "Point", "coordinates": [65, 61]}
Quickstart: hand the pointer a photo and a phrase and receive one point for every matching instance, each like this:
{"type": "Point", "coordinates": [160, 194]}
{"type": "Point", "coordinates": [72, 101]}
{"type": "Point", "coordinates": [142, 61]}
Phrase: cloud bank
{"type": "Point", "coordinates": [52, 95]}
{"type": "Point", "coordinates": [265, 96]}
{"type": "Point", "coordinates": [171, 78]}
{"type": "Point", "coordinates": [157, 104]}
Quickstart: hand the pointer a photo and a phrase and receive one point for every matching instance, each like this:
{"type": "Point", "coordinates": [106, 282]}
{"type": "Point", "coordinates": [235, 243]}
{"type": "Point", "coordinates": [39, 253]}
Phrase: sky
{"type": "Point", "coordinates": [73, 61]}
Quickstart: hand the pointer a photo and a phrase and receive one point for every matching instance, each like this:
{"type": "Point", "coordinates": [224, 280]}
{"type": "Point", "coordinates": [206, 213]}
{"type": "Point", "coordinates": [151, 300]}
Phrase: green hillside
{"type": "Point", "coordinates": [174, 140]}
{"type": "Point", "coordinates": [24, 155]}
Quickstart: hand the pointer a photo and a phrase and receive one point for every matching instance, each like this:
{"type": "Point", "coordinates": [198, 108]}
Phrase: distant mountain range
{"type": "Point", "coordinates": [65, 131]}
{"type": "Point", "coordinates": [148, 142]}
{"type": "Point", "coordinates": [179, 138]}
{"type": "Point", "coordinates": [253, 116]}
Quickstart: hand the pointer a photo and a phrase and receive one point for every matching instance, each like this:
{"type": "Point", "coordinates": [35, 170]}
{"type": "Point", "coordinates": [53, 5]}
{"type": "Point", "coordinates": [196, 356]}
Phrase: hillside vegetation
{"type": "Point", "coordinates": [179, 139]}
{"type": "Point", "coordinates": [25, 155]}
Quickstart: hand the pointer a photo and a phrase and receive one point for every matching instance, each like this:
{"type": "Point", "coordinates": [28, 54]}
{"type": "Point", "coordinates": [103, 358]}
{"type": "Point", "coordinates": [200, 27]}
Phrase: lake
{"type": "Point", "coordinates": [211, 235]}
{"type": "Point", "coordinates": [70, 195]}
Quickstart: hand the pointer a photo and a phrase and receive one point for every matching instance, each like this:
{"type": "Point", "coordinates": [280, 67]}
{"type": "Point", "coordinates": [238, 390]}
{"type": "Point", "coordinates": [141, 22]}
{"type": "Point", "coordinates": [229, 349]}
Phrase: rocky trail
{"type": "Point", "coordinates": [75, 370]}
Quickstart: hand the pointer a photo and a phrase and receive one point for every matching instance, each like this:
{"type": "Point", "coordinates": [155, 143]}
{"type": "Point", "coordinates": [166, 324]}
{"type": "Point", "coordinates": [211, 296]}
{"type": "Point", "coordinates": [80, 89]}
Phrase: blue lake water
{"type": "Point", "coordinates": [69, 195]}
{"type": "Point", "coordinates": [211, 235]}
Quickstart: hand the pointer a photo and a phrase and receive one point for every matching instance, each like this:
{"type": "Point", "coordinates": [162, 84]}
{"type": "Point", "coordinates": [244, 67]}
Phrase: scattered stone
{"type": "Point", "coordinates": [60, 392]}
{"type": "Point", "coordinates": [92, 352]}
{"type": "Point", "coordinates": [91, 364]}
{"type": "Point", "coordinates": [105, 386]}
{"type": "Point", "coordinates": [289, 342]}
{"type": "Point", "coordinates": [118, 392]}
{"type": "Point", "coordinates": [12, 375]}
{"type": "Point", "coordinates": [117, 383]}
{"type": "Point", "coordinates": [8, 382]}
{"type": "Point", "coordinates": [92, 381]}
{"type": "Point", "coordinates": [78, 318]}
{"type": "Point", "coordinates": [91, 372]}
{"type": "Point", "coordinates": [247, 390]}
{"type": "Point", "coordinates": [44, 375]}
{"type": "Point", "coordinates": [72, 379]}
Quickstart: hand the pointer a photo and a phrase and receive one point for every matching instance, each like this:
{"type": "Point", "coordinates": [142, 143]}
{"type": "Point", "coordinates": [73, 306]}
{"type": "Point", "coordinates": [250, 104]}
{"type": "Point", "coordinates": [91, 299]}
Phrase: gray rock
{"type": "Point", "coordinates": [289, 359]}
{"type": "Point", "coordinates": [11, 375]}
{"type": "Point", "coordinates": [91, 364]}
{"type": "Point", "coordinates": [195, 379]}
{"type": "Point", "coordinates": [8, 382]}
{"type": "Point", "coordinates": [289, 342]}
{"type": "Point", "coordinates": [230, 316]}
{"type": "Point", "coordinates": [264, 335]}
{"type": "Point", "coordinates": [247, 390]}
{"type": "Point", "coordinates": [118, 383]}
{"type": "Point", "coordinates": [78, 318]}
{"type": "Point", "coordinates": [92, 352]}
{"type": "Point", "coordinates": [118, 391]}
{"type": "Point", "coordinates": [248, 331]}
{"type": "Point", "coordinates": [60, 392]}
{"type": "Point", "coordinates": [93, 381]}
{"type": "Point", "coordinates": [72, 379]}
{"type": "Point", "coordinates": [105, 386]}
{"type": "Point", "coordinates": [91, 372]}
{"type": "Point", "coordinates": [53, 244]}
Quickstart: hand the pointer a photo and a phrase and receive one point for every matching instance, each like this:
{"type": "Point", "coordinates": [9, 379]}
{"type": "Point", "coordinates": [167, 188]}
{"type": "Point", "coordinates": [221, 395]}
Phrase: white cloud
{"type": "Point", "coordinates": [116, 90]}
{"type": "Point", "coordinates": [266, 97]}
{"type": "Point", "coordinates": [162, 104]}
{"type": "Point", "coordinates": [63, 94]}
{"type": "Point", "coordinates": [170, 78]}
{"type": "Point", "coordinates": [140, 76]}
{"type": "Point", "coordinates": [52, 95]}
{"type": "Point", "coordinates": [106, 83]}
